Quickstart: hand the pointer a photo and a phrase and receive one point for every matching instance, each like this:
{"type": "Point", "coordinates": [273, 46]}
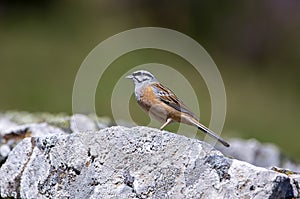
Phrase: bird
{"type": "Point", "coordinates": [162, 104]}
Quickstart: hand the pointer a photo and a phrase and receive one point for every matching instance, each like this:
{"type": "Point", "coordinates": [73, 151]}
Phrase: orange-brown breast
{"type": "Point", "coordinates": [155, 107]}
{"type": "Point", "coordinates": [147, 98]}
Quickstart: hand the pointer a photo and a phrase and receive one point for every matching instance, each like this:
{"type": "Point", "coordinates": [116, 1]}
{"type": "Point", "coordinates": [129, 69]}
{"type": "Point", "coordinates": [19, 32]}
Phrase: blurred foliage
{"type": "Point", "coordinates": [255, 44]}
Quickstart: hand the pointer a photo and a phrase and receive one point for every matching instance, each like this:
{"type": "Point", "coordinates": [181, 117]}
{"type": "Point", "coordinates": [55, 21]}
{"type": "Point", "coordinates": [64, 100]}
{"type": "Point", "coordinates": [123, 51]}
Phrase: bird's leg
{"type": "Point", "coordinates": [169, 120]}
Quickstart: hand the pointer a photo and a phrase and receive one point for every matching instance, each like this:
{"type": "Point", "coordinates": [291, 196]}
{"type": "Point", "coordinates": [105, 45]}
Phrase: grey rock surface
{"type": "Point", "coordinates": [264, 155]}
{"type": "Point", "coordinates": [5, 123]}
{"type": "Point", "coordinates": [138, 162]}
{"type": "Point", "coordinates": [14, 126]}
{"type": "Point", "coordinates": [11, 136]}
{"type": "Point", "coordinates": [65, 122]}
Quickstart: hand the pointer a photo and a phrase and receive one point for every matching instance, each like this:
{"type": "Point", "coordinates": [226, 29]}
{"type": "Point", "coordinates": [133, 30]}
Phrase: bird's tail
{"type": "Point", "coordinates": [193, 121]}
{"type": "Point", "coordinates": [212, 134]}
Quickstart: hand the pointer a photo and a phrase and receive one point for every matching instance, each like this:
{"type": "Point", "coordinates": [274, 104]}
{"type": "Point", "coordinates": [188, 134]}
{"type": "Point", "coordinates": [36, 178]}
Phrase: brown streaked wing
{"type": "Point", "coordinates": [168, 97]}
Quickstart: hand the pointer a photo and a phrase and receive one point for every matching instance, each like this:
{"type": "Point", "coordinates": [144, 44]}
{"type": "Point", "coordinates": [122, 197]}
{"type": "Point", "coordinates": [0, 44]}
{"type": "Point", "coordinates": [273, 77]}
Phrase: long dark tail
{"type": "Point", "coordinates": [209, 132]}
{"type": "Point", "coordinates": [212, 134]}
{"type": "Point", "coordinates": [188, 119]}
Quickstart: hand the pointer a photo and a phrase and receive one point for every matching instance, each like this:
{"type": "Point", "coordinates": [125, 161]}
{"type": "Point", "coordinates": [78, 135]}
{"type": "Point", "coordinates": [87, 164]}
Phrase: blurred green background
{"type": "Point", "coordinates": [255, 44]}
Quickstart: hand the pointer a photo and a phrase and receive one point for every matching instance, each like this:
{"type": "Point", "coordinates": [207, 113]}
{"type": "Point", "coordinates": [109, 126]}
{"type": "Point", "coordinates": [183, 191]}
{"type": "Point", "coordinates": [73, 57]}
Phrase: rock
{"type": "Point", "coordinates": [79, 122]}
{"type": "Point", "coordinates": [16, 164]}
{"type": "Point", "coordinates": [264, 155]}
{"type": "Point", "coordinates": [15, 126]}
{"type": "Point", "coordinates": [4, 150]}
{"type": "Point", "coordinates": [6, 123]}
{"type": "Point", "coordinates": [138, 162]}
{"type": "Point", "coordinates": [58, 120]}
{"type": "Point", "coordinates": [13, 135]}
{"type": "Point", "coordinates": [62, 121]}
{"type": "Point", "coordinates": [30, 130]}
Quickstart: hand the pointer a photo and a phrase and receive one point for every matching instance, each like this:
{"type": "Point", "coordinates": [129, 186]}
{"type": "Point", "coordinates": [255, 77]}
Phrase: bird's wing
{"type": "Point", "coordinates": [168, 97]}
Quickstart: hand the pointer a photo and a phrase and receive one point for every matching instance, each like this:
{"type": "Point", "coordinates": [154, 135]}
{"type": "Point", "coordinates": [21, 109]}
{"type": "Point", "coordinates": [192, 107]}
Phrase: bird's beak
{"type": "Point", "coordinates": [129, 77]}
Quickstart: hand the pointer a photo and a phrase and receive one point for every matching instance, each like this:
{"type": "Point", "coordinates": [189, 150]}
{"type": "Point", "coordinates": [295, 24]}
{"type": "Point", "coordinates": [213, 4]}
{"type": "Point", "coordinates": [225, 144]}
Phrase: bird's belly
{"type": "Point", "coordinates": [158, 113]}
{"type": "Point", "coordinates": [155, 111]}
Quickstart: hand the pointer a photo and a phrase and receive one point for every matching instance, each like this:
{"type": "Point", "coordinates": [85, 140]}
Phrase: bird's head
{"type": "Point", "coordinates": [141, 76]}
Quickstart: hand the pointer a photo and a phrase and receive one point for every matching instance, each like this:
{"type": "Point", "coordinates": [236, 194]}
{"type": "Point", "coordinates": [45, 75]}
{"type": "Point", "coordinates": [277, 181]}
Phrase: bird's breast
{"type": "Point", "coordinates": [157, 109]}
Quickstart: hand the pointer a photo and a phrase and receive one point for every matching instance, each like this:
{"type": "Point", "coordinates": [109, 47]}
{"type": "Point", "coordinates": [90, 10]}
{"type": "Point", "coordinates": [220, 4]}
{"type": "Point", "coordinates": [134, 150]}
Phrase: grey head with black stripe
{"type": "Point", "coordinates": [142, 76]}
{"type": "Point", "coordinates": [140, 79]}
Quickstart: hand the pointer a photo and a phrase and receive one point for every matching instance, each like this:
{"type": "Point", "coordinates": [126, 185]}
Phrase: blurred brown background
{"type": "Point", "coordinates": [255, 44]}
